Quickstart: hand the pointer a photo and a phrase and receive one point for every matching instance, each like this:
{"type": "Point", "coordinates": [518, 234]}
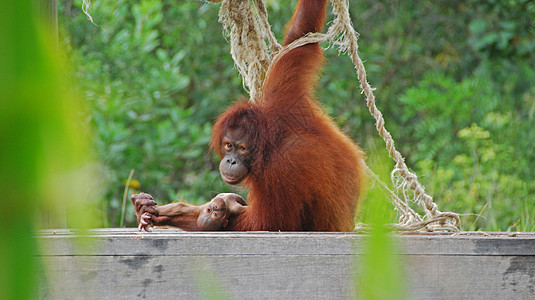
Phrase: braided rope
{"type": "Point", "coordinates": [251, 56]}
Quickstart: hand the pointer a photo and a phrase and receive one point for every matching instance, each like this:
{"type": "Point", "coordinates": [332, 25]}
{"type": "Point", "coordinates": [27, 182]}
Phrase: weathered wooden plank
{"type": "Point", "coordinates": [167, 277]}
{"type": "Point", "coordinates": [171, 264]}
{"type": "Point", "coordinates": [176, 242]}
{"type": "Point", "coordinates": [471, 277]}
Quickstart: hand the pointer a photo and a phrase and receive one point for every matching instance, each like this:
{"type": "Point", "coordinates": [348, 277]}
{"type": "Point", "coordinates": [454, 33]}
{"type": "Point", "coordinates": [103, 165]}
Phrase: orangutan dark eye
{"type": "Point", "coordinates": [228, 146]}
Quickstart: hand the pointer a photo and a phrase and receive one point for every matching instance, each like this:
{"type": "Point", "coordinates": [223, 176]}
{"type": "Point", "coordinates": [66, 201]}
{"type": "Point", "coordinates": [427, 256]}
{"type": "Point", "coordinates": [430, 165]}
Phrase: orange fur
{"type": "Point", "coordinates": [307, 174]}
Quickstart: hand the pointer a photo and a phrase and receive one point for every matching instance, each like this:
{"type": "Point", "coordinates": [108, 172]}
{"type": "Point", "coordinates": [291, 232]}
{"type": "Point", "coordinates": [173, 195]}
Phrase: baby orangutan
{"type": "Point", "coordinates": [211, 216]}
{"type": "Point", "coordinates": [216, 213]}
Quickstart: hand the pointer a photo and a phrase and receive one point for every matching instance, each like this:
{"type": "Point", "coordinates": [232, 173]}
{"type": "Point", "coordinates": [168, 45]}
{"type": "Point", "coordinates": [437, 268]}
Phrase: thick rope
{"type": "Point", "coordinates": [274, 46]}
{"type": "Point", "coordinates": [251, 57]}
{"type": "Point", "coordinates": [247, 45]}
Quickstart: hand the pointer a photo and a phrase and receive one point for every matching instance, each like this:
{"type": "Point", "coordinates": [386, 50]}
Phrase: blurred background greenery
{"type": "Point", "coordinates": [455, 81]}
{"type": "Point", "coordinates": [46, 164]}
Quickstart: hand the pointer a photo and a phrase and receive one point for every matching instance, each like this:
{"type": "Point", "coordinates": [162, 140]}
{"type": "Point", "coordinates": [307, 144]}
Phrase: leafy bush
{"type": "Point", "coordinates": [465, 151]}
{"type": "Point", "coordinates": [455, 82]}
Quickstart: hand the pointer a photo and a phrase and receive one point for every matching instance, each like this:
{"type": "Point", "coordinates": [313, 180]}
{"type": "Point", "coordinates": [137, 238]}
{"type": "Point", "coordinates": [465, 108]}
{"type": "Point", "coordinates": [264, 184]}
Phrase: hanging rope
{"type": "Point", "coordinates": [247, 45]}
{"type": "Point", "coordinates": [248, 31]}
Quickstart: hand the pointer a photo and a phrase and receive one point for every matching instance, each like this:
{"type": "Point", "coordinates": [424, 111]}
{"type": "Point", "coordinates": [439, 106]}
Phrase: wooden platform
{"type": "Point", "coordinates": [172, 264]}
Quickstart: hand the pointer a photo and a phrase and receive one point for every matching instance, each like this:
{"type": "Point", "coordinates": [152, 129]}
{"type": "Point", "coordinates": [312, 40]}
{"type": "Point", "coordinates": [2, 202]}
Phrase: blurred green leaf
{"type": "Point", "coordinates": [46, 167]}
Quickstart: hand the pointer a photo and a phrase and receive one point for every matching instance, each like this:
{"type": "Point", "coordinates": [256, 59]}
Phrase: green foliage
{"type": "Point", "coordinates": [154, 76]}
{"type": "Point", "coordinates": [501, 28]}
{"type": "Point", "coordinates": [465, 134]}
{"type": "Point", "coordinates": [43, 157]}
{"type": "Point", "coordinates": [438, 108]}
{"type": "Point", "coordinates": [454, 81]}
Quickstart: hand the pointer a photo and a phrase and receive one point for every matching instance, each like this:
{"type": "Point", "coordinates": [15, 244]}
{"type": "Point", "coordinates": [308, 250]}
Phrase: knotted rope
{"type": "Point", "coordinates": [248, 33]}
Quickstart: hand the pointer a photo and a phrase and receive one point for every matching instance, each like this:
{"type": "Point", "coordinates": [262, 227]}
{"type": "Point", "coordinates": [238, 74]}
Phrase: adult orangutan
{"type": "Point", "coordinates": [302, 172]}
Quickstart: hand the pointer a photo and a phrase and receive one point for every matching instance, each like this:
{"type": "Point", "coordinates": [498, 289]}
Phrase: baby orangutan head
{"type": "Point", "coordinates": [214, 216]}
